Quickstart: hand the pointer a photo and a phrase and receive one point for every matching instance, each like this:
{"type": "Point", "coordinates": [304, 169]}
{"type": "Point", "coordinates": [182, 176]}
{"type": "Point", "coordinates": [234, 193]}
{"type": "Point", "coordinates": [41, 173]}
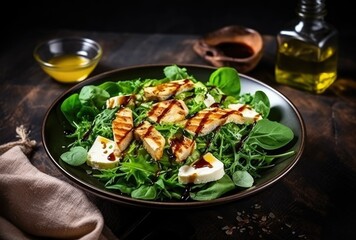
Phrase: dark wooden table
{"type": "Point", "coordinates": [315, 200]}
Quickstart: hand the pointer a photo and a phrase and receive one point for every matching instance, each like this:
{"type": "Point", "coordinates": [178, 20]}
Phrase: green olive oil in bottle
{"type": "Point", "coordinates": [307, 52]}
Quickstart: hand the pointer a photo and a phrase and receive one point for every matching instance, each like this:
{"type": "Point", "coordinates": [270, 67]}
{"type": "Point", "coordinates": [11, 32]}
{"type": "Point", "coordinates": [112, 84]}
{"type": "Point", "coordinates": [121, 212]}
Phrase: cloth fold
{"type": "Point", "coordinates": [34, 205]}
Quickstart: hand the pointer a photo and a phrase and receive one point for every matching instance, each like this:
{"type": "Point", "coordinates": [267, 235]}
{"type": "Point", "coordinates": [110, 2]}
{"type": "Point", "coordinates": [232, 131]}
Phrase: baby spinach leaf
{"type": "Point", "coordinates": [261, 103]}
{"type": "Point", "coordinates": [214, 189]}
{"type": "Point", "coordinates": [122, 186]}
{"type": "Point", "coordinates": [174, 72]}
{"type": "Point", "coordinates": [227, 80]}
{"type": "Point", "coordinates": [87, 112]}
{"type": "Point", "coordinates": [144, 192]}
{"type": "Point", "coordinates": [70, 107]}
{"type": "Point", "coordinates": [111, 87]}
{"type": "Point", "coordinates": [269, 135]}
{"type": "Point", "coordinates": [93, 96]}
{"type": "Point", "coordinates": [76, 156]}
{"type": "Point", "coordinates": [242, 179]}
{"type": "Point", "coordinates": [129, 86]}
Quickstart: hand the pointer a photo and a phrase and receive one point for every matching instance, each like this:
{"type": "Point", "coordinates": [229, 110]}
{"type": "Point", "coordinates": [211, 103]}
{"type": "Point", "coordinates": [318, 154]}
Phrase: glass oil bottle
{"type": "Point", "coordinates": [307, 50]}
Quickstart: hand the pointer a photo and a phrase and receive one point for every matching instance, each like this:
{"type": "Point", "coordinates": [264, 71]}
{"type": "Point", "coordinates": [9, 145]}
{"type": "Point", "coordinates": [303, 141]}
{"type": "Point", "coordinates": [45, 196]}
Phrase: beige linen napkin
{"type": "Point", "coordinates": [34, 205]}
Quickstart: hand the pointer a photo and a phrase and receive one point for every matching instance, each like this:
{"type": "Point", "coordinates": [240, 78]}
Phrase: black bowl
{"type": "Point", "coordinates": [282, 110]}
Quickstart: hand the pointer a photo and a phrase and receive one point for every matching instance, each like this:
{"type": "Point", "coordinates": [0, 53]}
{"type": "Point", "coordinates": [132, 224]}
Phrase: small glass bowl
{"type": "Point", "coordinates": [69, 59]}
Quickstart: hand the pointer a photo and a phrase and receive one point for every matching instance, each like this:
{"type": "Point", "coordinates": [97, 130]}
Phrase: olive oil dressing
{"type": "Point", "coordinates": [307, 52]}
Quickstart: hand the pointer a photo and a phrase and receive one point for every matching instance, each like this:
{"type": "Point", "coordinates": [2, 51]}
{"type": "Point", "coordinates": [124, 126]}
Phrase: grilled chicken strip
{"type": "Point", "coordinates": [121, 101]}
{"type": "Point", "coordinates": [166, 90]}
{"type": "Point", "coordinates": [182, 147]}
{"type": "Point", "coordinates": [122, 127]}
{"type": "Point", "coordinates": [152, 139]}
{"type": "Point", "coordinates": [168, 111]}
{"type": "Point", "coordinates": [207, 120]}
{"type": "Point", "coordinates": [249, 115]}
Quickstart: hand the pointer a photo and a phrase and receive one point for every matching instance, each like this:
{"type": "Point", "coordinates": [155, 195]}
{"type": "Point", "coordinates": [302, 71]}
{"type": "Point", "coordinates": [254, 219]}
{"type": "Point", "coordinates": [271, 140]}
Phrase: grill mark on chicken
{"type": "Point", "coordinates": [121, 101]}
{"type": "Point", "coordinates": [152, 139]}
{"type": "Point", "coordinates": [208, 120]}
{"type": "Point", "coordinates": [243, 107]}
{"type": "Point", "coordinates": [122, 127]}
{"type": "Point", "coordinates": [166, 90]}
{"type": "Point", "coordinates": [182, 147]}
{"type": "Point", "coordinates": [168, 111]}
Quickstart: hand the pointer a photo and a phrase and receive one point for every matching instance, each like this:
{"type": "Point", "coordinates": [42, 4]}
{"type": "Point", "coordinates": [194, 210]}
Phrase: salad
{"type": "Point", "coordinates": [176, 138]}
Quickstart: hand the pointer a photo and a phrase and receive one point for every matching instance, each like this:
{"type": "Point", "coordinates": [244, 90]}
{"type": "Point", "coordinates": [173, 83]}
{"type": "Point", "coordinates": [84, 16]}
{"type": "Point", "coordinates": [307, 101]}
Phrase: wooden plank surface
{"type": "Point", "coordinates": [314, 201]}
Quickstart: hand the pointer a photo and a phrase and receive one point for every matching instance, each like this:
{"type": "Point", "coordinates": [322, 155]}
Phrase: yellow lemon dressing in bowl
{"type": "Point", "coordinates": [68, 60]}
{"type": "Point", "coordinates": [69, 67]}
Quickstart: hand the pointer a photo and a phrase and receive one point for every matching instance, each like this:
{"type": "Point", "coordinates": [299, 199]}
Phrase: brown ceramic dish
{"type": "Point", "coordinates": [234, 46]}
{"type": "Point", "coordinates": [54, 127]}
